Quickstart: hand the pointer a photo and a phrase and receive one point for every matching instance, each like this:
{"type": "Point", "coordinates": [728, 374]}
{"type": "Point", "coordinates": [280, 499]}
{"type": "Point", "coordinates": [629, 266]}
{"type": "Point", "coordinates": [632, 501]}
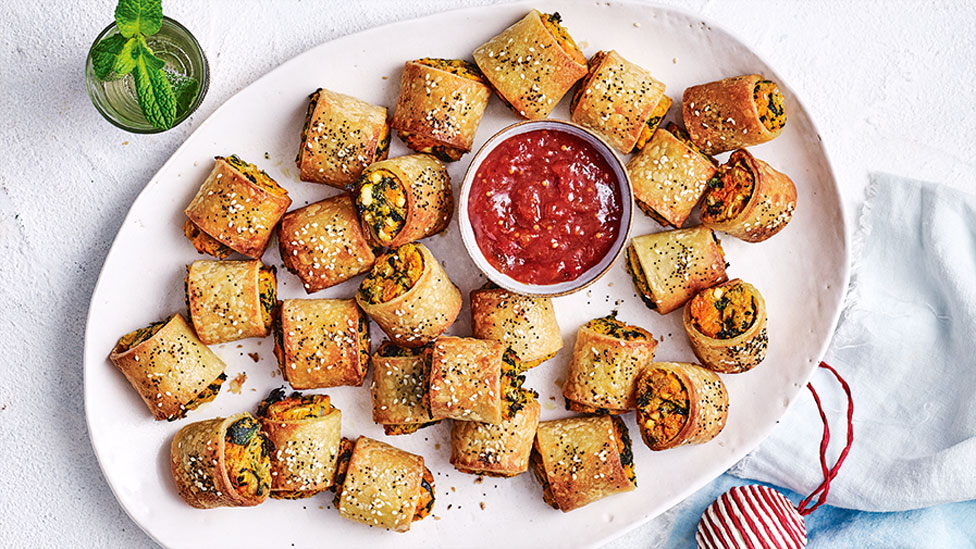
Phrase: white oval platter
{"type": "Point", "coordinates": [802, 272]}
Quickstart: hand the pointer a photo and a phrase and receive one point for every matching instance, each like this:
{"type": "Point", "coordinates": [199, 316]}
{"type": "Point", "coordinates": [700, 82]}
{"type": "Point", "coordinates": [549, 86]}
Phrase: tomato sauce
{"type": "Point", "coordinates": [545, 207]}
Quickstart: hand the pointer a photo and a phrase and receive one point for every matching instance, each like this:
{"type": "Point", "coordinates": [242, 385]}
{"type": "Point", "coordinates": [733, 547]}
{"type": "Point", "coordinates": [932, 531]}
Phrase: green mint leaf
{"type": "Point", "coordinates": [104, 56]}
{"type": "Point", "coordinates": [184, 88]}
{"type": "Point", "coordinates": [139, 16]}
{"type": "Point", "coordinates": [154, 91]}
{"type": "Point", "coordinates": [125, 61]}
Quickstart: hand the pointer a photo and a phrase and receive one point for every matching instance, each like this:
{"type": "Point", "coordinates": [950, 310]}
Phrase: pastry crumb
{"type": "Point", "coordinates": [237, 383]}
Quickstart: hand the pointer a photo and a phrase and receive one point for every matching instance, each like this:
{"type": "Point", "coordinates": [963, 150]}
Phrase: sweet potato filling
{"type": "Point", "coordinates": [247, 456]}
{"type": "Point", "coordinates": [729, 192]}
{"type": "Point", "coordinates": [609, 325]}
{"type": "Point", "coordinates": [268, 290]}
{"type": "Point", "coordinates": [254, 174]}
{"type": "Point", "coordinates": [624, 448]}
{"type": "Point", "coordinates": [394, 274]}
{"type": "Point", "coordinates": [653, 122]}
{"type": "Point", "coordinates": [636, 272]}
{"type": "Point", "coordinates": [459, 67]}
{"type": "Point", "coordinates": [382, 203]}
{"type": "Point", "coordinates": [553, 23]}
{"type": "Point", "coordinates": [425, 504]}
{"type": "Point", "coordinates": [346, 447]}
{"type": "Point", "coordinates": [515, 397]}
{"type": "Point", "coordinates": [724, 312]}
{"type": "Point", "coordinates": [662, 406]}
{"type": "Point", "coordinates": [383, 143]}
{"type": "Point", "coordinates": [203, 242]}
{"type": "Point", "coordinates": [294, 407]}
{"type": "Point", "coordinates": [769, 105]}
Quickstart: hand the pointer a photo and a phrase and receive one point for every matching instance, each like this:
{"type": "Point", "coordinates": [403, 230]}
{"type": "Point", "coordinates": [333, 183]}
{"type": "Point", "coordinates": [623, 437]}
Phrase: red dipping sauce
{"type": "Point", "coordinates": [545, 207]}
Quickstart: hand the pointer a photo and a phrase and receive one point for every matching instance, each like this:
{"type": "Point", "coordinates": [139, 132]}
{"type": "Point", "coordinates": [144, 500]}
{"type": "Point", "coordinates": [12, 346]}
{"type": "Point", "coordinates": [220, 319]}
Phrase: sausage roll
{"type": "Point", "coordinates": [173, 371]}
{"type": "Point", "coordinates": [607, 359]}
{"type": "Point", "coordinates": [498, 450]}
{"type": "Point", "coordinates": [749, 199]}
{"type": "Point", "coordinates": [401, 403]}
{"type": "Point", "coordinates": [404, 199]}
{"type": "Point", "coordinates": [475, 380]}
{"type": "Point", "coordinates": [580, 460]}
{"type": "Point", "coordinates": [409, 295]}
{"type": "Point", "coordinates": [733, 113]}
{"type": "Point", "coordinates": [669, 178]}
{"type": "Point", "coordinates": [726, 326]}
{"type": "Point", "coordinates": [384, 486]}
{"type": "Point", "coordinates": [304, 432]}
{"type": "Point", "coordinates": [341, 136]}
{"type": "Point", "coordinates": [620, 101]}
{"type": "Point", "coordinates": [525, 324]}
{"type": "Point", "coordinates": [323, 244]}
{"type": "Point", "coordinates": [532, 64]}
{"type": "Point", "coordinates": [222, 462]}
{"type": "Point", "coordinates": [440, 106]}
{"type": "Point", "coordinates": [668, 268]}
{"type": "Point", "coordinates": [235, 210]}
{"type": "Point", "coordinates": [680, 403]}
{"type": "Point", "coordinates": [321, 342]}
{"type": "Point", "coordinates": [230, 300]}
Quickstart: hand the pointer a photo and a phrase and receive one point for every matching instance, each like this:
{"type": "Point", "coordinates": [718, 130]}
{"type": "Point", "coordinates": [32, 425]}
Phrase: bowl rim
{"type": "Point", "coordinates": [595, 272]}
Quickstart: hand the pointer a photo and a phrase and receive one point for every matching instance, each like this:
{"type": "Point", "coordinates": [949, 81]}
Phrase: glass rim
{"type": "Point", "coordinates": [204, 83]}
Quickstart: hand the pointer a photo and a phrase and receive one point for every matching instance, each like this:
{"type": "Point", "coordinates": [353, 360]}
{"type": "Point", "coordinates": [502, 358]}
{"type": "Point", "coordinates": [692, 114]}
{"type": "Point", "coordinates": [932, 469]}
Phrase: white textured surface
{"type": "Point", "coordinates": [888, 83]}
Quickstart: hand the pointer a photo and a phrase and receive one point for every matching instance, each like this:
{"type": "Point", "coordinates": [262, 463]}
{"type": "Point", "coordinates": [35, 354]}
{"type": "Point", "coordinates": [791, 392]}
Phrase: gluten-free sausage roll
{"type": "Point", "coordinates": [475, 380]}
{"type": "Point", "coordinates": [498, 450]}
{"type": "Point", "coordinates": [668, 268]}
{"type": "Point", "coordinates": [748, 199]}
{"type": "Point", "coordinates": [173, 371]}
{"type": "Point", "coordinates": [323, 243]}
{"type": "Point", "coordinates": [409, 295]}
{"type": "Point", "coordinates": [222, 462]}
{"type": "Point", "coordinates": [440, 106]}
{"type": "Point", "coordinates": [304, 431]}
{"type": "Point", "coordinates": [401, 402]}
{"type": "Point", "coordinates": [527, 325]}
{"type": "Point", "coordinates": [341, 136]}
{"type": "Point", "coordinates": [607, 359]}
{"type": "Point", "coordinates": [620, 101]}
{"type": "Point", "coordinates": [733, 113]}
{"type": "Point", "coordinates": [680, 403]}
{"type": "Point", "coordinates": [580, 460]}
{"type": "Point", "coordinates": [230, 300]}
{"type": "Point", "coordinates": [321, 342]}
{"type": "Point", "coordinates": [532, 64]}
{"type": "Point", "coordinates": [669, 178]}
{"type": "Point", "coordinates": [385, 486]}
{"type": "Point", "coordinates": [404, 199]}
{"type": "Point", "coordinates": [235, 210]}
{"type": "Point", "coordinates": [726, 326]}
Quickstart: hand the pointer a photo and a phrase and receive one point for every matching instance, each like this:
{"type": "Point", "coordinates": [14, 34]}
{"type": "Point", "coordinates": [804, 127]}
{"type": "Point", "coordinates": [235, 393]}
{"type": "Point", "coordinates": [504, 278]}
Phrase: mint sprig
{"type": "Point", "coordinates": [128, 53]}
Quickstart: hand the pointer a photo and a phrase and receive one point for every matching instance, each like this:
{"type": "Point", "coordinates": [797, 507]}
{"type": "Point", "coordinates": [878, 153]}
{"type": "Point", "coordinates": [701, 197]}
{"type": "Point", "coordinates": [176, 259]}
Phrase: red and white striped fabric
{"type": "Point", "coordinates": [751, 517]}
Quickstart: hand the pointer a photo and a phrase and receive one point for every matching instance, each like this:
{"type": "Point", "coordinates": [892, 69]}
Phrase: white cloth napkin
{"type": "Point", "coordinates": [906, 343]}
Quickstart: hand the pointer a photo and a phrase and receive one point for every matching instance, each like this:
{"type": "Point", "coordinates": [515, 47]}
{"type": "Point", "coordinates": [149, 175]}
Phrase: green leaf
{"type": "Point", "coordinates": [104, 56]}
{"type": "Point", "coordinates": [184, 88]}
{"type": "Point", "coordinates": [154, 91]}
{"type": "Point", "coordinates": [139, 16]}
{"type": "Point", "coordinates": [125, 61]}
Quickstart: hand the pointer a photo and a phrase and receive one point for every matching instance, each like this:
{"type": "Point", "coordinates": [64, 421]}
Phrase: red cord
{"type": "Point", "coordinates": [830, 473]}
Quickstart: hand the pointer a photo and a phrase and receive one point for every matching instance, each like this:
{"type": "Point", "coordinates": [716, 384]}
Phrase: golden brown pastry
{"type": "Point", "coordinates": [680, 403]}
{"type": "Point", "coordinates": [668, 268]}
{"type": "Point", "coordinates": [726, 327]}
{"type": "Point", "coordinates": [222, 462]}
{"type": "Point", "coordinates": [532, 64]}
{"type": "Point", "coordinates": [748, 199]}
{"type": "Point", "coordinates": [498, 450]}
{"type": "Point", "coordinates": [409, 295]}
{"type": "Point", "coordinates": [323, 244]}
{"type": "Point", "coordinates": [440, 106]}
{"type": "Point", "coordinates": [620, 101]}
{"type": "Point", "coordinates": [607, 359]}
{"type": "Point", "coordinates": [341, 136]}
{"type": "Point", "coordinates": [304, 431]}
{"type": "Point", "coordinates": [404, 199]}
{"type": "Point", "coordinates": [173, 371]}
{"type": "Point", "coordinates": [580, 460]}
{"type": "Point", "coordinates": [321, 342]}
{"type": "Point", "coordinates": [401, 402]}
{"type": "Point", "coordinates": [235, 210]}
{"type": "Point", "coordinates": [384, 486]}
{"type": "Point", "coordinates": [230, 300]}
{"type": "Point", "coordinates": [525, 324]}
{"type": "Point", "coordinates": [733, 113]}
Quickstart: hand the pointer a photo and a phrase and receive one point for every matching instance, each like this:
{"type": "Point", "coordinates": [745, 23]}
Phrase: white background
{"type": "Point", "coordinates": [888, 83]}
